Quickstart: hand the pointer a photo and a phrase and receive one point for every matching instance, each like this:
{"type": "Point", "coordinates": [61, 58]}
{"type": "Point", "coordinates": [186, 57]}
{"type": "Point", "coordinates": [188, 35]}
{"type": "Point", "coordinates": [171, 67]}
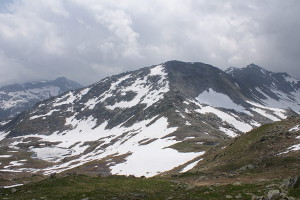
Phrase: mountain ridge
{"type": "Point", "coordinates": [16, 98]}
{"type": "Point", "coordinates": [171, 112]}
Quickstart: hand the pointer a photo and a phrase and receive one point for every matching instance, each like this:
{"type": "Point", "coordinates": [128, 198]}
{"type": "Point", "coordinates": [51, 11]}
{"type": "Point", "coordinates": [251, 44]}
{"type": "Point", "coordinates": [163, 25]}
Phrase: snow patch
{"type": "Point", "coordinates": [255, 123]}
{"type": "Point", "coordinates": [12, 186]}
{"type": "Point", "coordinates": [265, 114]}
{"type": "Point", "coordinates": [141, 160]}
{"type": "Point", "coordinates": [263, 111]}
{"type": "Point", "coordinates": [228, 132]}
{"type": "Point", "coordinates": [190, 166]}
{"type": "Point", "coordinates": [295, 147]}
{"type": "Point", "coordinates": [15, 163]}
{"type": "Point", "coordinates": [47, 114]}
{"type": "Point", "coordinates": [291, 80]}
{"type": "Point", "coordinates": [3, 135]}
{"type": "Point", "coordinates": [5, 156]}
{"type": "Point", "coordinates": [52, 154]}
{"type": "Point", "coordinates": [216, 99]}
{"type": "Point", "coordinates": [239, 125]}
{"type": "Point", "coordinates": [145, 93]}
{"type": "Point", "coordinates": [285, 101]}
{"type": "Point", "coordinates": [295, 128]}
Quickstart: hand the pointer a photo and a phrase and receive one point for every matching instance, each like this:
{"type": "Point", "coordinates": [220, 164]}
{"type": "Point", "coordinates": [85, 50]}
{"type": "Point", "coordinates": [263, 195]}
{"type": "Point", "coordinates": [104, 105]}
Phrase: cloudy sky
{"type": "Point", "coordinates": [87, 40]}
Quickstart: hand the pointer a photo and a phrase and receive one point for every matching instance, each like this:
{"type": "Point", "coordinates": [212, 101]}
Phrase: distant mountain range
{"type": "Point", "coordinates": [17, 98]}
{"type": "Point", "coordinates": [147, 121]}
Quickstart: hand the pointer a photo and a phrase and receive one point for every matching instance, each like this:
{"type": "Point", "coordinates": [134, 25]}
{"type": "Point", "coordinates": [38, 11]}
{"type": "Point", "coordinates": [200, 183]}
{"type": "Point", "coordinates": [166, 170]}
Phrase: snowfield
{"type": "Point", "coordinates": [212, 102]}
{"type": "Point", "coordinates": [141, 159]}
{"type": "Point", "coordinates": [216, 99]}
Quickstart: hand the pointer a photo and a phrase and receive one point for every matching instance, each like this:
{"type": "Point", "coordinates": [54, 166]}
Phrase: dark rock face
{"type": "Point", "coordinates": [259, 84]}
{"type": "Point", "coordinates": [17, 98]}
{"type": "Point", "coordinates": [200, 103]}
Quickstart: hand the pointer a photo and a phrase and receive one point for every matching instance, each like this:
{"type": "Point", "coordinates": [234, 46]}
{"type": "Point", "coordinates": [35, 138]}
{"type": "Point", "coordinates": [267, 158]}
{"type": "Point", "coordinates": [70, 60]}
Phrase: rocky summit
{"type": "Point", "coordinates": [147, 121]}
{"type": "Point", "coordinates": [17, 98]}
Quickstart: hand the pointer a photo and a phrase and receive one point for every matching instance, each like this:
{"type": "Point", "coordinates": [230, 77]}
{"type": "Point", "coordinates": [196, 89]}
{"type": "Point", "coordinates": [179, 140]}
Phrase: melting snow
{"type": "Point", "coordinates": [51, 153]}
{"type": "Point", "coordinates": [295, 128]}
{"type": "Point", "coordinates": [188, 138]}
{"type": "Point", "coordinates": [228, 132]}
{"type": "Point", "coordinates": [295, 147]}
{"type": "Point", "coordinates": [47, 114]}
{"type": "Point", "coordinates": [190, 166]}
{"type": "Point", "coordinates": [239, 125]}
{"type": "Point", "coordinates": [70, 99]}
{"type": "Point", "coordinates": [216, 99]}
{"type": "Point", "coordinates": [3, 135]}
{"type": "Point", "coordinates": [5, 156]}
{"type": "Point", "coordinates": [265, 114]}
{"type": "Point", "coordinates": [254, 123]}
{"type": "Point", "coordinates": [4, 122]}
{"type": "Point", "coordinates": [144, 91]}
{"type": "Point", "coordinates": [285, 100]}
{"type": "Point", "coordinates": [15, 163]}
{"type": "Point", "coordinates": [11, 186]}
{"type": "Point", "coordinates": [262, 110]}
{"type": "Point", "coordinates": [142, 160]}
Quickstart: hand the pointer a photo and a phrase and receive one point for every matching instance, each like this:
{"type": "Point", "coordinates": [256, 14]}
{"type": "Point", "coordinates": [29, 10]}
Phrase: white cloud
{"type": "Point", "coordinates": [87, 40]}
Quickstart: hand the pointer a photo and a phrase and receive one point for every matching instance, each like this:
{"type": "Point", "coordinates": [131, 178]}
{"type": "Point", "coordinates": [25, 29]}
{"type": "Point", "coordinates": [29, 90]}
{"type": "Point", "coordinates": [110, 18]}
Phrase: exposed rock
{"type": "Point", "coordinates": [13, 190]}
{"type": "Point", "coordinates": [237, 183]}
{"type": "Point", "coordinates": [290, 182]}
{"type": "Point", "coordinates": [201, 178]}
{"type": "Point", "coordinates": [273, 194]}
{"type": "Point", "coordinates": [247, 167]}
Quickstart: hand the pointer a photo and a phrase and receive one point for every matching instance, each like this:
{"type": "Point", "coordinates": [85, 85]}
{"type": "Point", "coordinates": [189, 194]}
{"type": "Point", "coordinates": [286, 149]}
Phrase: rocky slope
{"type": "Point", "coordinates": [270, 151]}
{"type": "Point", "coordinates": [146, 121]}
{"type": "Point", "coordinates": [17, 98]}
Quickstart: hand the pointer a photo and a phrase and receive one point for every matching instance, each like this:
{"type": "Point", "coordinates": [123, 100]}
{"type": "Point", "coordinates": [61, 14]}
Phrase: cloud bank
{"type": "Point", "coordinates": [87, 40]}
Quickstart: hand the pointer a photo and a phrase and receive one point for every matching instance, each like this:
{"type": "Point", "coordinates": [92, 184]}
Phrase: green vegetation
{"type": "Point", "coordinates": [121, 187]}
{"type": "Point", "coordinates": [256, 152]}
{"type": "Point", "coordinates": [192, 146]}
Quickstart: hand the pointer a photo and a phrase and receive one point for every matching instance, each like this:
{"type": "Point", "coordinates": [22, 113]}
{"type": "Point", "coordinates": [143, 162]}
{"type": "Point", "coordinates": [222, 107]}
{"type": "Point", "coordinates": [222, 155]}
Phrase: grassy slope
{"type": "Point", "coordinates": [259, 148]}
{"type": "Point", "coordinates": [120, 187]}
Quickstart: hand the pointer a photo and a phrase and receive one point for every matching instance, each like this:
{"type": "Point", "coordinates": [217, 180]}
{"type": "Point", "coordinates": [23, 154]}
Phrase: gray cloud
{"type": "Point", "coordinates": [86, 40]}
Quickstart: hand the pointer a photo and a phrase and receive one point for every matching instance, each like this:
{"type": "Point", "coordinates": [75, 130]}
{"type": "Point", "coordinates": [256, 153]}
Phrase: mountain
{"type": "Point", "coordinates": [147, 121]}
{"type": "Point", "coordinates": [17, 98]}
{"type": "Point", "coordinates": [277, 90]}
{"type": "Point", "coordinates": [261, 164]}
{"type": "Point", "coordinates": [271, 151]}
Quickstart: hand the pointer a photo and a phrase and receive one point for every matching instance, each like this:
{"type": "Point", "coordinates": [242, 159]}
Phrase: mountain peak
{"type": "Point", "coordinates": [251, 68]}
{"type": "Point", "coordinates": [17, 98]}
{"type": "Point", "coordinates": [256, 68]}
{"type": "Point", "coordinates": [61, 78]}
